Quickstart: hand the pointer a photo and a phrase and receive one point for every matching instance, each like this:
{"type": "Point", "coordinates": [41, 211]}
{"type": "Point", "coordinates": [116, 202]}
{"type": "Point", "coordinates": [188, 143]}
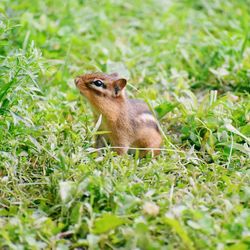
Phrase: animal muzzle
{"type": "Point", "coordinates": [77, 80]}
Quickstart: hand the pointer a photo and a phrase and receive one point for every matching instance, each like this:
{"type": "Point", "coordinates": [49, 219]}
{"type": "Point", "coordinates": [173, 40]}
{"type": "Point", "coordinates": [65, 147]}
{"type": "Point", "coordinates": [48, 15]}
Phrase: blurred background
{"type": "Point", "coordinates": [154, 42]}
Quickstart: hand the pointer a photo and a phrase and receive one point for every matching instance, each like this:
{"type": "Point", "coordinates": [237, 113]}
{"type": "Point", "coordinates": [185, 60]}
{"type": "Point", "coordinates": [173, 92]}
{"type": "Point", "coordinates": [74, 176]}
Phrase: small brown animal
{"type": "Point", "coordinates": [129, 121]}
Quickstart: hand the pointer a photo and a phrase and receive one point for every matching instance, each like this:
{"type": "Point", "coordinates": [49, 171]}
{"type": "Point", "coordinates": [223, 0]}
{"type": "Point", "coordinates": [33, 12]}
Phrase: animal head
{"type": "Point", "coordinates": [100, 85]}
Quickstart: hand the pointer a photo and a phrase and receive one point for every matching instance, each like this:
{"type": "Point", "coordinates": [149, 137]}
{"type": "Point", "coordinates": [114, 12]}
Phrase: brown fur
{"type": "Point", "coordinates": [129, 122]}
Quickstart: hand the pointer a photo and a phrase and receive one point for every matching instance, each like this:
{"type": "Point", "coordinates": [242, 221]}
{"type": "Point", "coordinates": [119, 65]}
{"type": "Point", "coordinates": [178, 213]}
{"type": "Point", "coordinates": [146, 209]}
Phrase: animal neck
{"type": "Point", "coordinates": [112, 110]}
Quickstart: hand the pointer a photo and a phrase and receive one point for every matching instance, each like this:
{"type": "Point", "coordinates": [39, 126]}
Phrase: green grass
{"type": "Point", "coordinates": [190, 60]}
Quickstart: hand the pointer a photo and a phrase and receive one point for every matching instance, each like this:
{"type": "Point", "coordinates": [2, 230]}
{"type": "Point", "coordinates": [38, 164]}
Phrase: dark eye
{"type": "Point", "coordinates": [98, 83]}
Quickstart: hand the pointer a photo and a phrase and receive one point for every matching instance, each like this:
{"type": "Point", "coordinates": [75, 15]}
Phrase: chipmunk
{"type": "Point", "coordinates": [129, 121]}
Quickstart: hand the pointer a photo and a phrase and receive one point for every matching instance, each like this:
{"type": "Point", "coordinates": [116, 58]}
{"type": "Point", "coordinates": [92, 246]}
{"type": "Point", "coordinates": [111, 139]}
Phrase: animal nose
{"type": "Point", "coordinates": [77, 80]}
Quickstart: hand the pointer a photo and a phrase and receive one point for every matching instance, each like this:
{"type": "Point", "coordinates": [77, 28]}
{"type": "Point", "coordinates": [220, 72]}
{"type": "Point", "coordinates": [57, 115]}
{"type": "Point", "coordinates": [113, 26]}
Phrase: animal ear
{"type": "Point", "coordinates": [119, 85]}
{"type": "Point", "coordinates": [114, 74]}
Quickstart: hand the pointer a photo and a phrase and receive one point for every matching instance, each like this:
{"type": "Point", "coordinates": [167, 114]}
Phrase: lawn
{"type": "Point", "coordinates": [189, 60]}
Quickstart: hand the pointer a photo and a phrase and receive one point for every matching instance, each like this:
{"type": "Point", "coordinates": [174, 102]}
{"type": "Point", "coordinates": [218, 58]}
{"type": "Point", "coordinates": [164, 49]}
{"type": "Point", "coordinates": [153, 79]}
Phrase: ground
{"type": "Point", "coordinates": [189, 60]}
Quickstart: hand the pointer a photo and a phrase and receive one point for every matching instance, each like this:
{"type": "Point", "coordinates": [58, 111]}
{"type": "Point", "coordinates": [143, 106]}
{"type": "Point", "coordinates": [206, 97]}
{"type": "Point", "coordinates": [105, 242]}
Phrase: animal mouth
{"type": "Point", "coordinates": [77, 80]}
{"type": "Point", "coordinates": [84, 88]}
{"type": "Point", "coordinates": [81, 85]}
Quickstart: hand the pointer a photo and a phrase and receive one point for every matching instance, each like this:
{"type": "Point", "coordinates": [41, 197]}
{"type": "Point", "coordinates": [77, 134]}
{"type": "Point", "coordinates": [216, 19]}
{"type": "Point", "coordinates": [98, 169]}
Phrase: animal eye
{"type": "Point", "coordinates": [98, 83]}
